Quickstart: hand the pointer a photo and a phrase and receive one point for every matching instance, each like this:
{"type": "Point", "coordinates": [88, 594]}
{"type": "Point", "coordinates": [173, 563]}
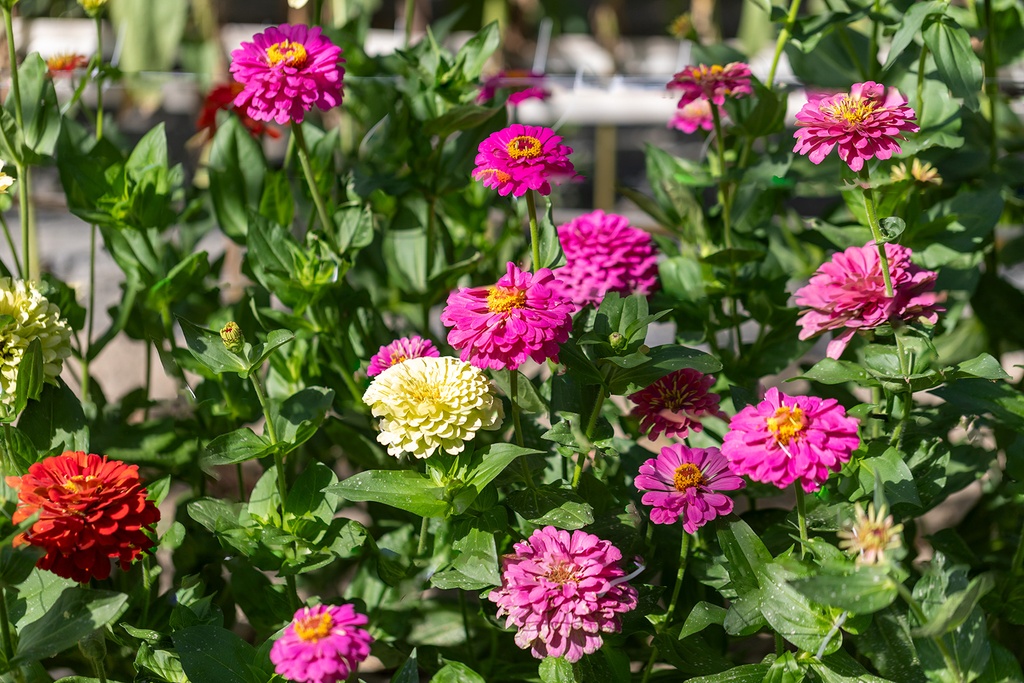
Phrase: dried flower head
{"type": "Point", "coordinates": [32, 317]}
{"type": "Point", "coordinates": [685, 482]}
{"type": "Point", "coordinates": [713, 83]}
{"type": "Point", "coordinates": [674, 404]}
{"type": "Point", "coordinates": [521, 158]}
{"type": "Point", "coordinates": [871, 535]}
{"type": "Point", "coordinates": [322, 644]}
{"type": "Point", "coordinates": [920, 171]}
{"type": "Point", "coordinates": [400, 351]}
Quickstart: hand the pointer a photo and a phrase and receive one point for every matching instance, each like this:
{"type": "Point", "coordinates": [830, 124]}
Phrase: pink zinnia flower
{"type": "Point", "coordinates": [522, 84]}
{"type": "Point", "coordinates": [604, 253]}
{"type": "Point", "coordinates": [690, 117]}
{"type": "Point", "coordinates": [785, 439]}
{"type": "Point", "coordinates": [675, 403]}
{"type": "Point", "coordinates": [865, 123]}
{"type": "Point", "coordinates": [521, 316]}
{"type": "Point", "coordinates": [562, 592]}
{"type": "Point", "coordinates": [682, 482]}
{"type": "Point", "coordinates": [287, 70]}
{"type": "Point", "coordinates": [323, 644]}
{"type": "Point", "coordinates": [398, 351]}
{"type": "Point", "coordinates": [848, 294]}
{"type": "Point", "coordinates": [521, 158]}
{"type": "Point", "coordinates": [712, 83]}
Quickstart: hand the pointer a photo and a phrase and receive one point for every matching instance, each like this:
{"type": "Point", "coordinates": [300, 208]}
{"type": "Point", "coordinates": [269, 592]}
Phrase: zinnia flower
{"type": "Point", "coordinates": [683, 482]}
{"type": "Point", "coordinates": [921, 172]}
{"type": "Point", "coordinates": [323, 644]}
{"type": "Point", "coordinates": [871, 535]}
{"type": "Point", "coordinates": [499, 327]}
{"type": "Point", "coordinates": [222, 97]}
{"type": "Point", "coordinates": [91, 510]}
{"type": "Point", "coordinates": [33, 318]}
{"type": "Point", "coordinates": [399, 351]}
{"type": "Point", "coordinates": [65, 64]}
{"type": "Point", "coordinates": [523, 85]}
{"type": "Point", "coordinates": [562, 592]}
{"type": "Point", "coordinates": [848, 294]}
{"type": "Point", "coordinates": [6, 181]}
{"type": "Point", "coordinates": [690, 117]}
{"type": "Point", "coordinates": [429, 403]}
{"type": "Point", "coordinates": [785, 439]}
{"type": "Point", "coordinates": [285, 71]}
{"type": "Point", "coordinates": [604, 253]}
{"type": "Point", "coordinates": [521, 158]}
{"type": "Point", "coordinates": [674, 404]}
{"type": "Point", "coordinates": [864, 123]}
{"type": "Point", "coordinates": [713, 83]}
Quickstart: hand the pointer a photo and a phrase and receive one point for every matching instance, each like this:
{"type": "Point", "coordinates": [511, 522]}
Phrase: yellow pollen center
{"type": "Point", "coordinates": [524, 147]}
{"type": "Point", "coordinates": [423, 392]}
{"type": "Point", "coordinates": [505, 299]}
{"type": "Point", "coordinates": [786, 424]}
{"type": "Point", "coordinates": [78, 482]}
{"type": "Point", "coordinates": [313, 628]}
{"type": "Point", "coordinates": [395, 360]}
{"type": "Point", "coordinates": [688, 476]}
{"type": "Point", "coordinates": [851, 111]}
{"type": "Point", "coordinates": [562, 573]}
{"type": "Point", "coordinates": [288, 52]}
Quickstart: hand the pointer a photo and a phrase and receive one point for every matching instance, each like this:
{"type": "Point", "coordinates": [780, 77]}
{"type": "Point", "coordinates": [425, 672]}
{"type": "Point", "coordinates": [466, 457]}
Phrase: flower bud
{"type": "Point", "coordinates": [94, 646]}
{"type": "Point", "coordinates": [231, 335]}
{"type": "Point", "coordinates": [617, 341]}
{"type": "Point", "coordinates": [93, 7]}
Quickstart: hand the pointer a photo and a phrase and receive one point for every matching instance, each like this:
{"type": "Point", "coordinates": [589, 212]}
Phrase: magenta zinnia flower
{"type": "Point", "coordinates": [864, 123]}
{"type": "Point", "coordinates": [323, 644]}
{"type": "Point", "coordinates": [690, 117]}
{"type": "Point", "coordinates": [398, 351]}
{"type": "Point", "coordinates": [521, 316]}
{"type": "Point", "coordinates": [847, 294]}
{"type": "Point", "coordinates": [674, 404]}
{"type": "Point", "coordinates": [562, 592]}
{"type": "Point", "coordinates": [604, 253]}
{"type": "Point", "coordinates": [712, 83]}
{"type": "Point", "coordinates": [287, 70]}
{"type": "Point", "coordinates": [785, 439]}
{"type": "Point", "coordinates": [683, 481]}
{"type": "Point", "coordinates": [521, 158]}
{"type": "Point", "coordinates": [522, 84]}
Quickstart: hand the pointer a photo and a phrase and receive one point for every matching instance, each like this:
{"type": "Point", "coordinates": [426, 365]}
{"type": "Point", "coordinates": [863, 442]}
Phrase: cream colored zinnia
{"type": "Point", "coordinates": [425, 404]}
{"type": "Point", "coordinates": [34, 317]}
{"type": "Point", "coordinates": [871, 535]}
{"type": "Point", "coordinates": [5, 180]}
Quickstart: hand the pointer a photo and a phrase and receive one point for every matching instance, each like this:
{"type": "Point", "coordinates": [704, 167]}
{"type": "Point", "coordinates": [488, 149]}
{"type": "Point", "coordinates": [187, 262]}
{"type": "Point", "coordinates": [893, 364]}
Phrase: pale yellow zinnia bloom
{"type": "Point", "coordinates": [34, 317]}
{"type": "Point", "coordinates": [5, 180]}
{"type": "Point", "coordinates": [871, 535]}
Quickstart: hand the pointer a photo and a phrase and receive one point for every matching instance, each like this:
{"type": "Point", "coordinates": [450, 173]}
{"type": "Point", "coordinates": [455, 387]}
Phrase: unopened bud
{"type": "Point", "coordinates": [617, 341]}
{"type": "Point", "coordinates": [231, 335]}
{"type": "Point", "coordinates": [94, 646]}
{"type": "Point", "coordinates": [93, 7]}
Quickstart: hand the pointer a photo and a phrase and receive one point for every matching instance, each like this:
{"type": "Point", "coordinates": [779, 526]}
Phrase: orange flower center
{"type": "Point", "coordinates": [851, 111]}
{"type": "Point", "coordinates": [505, 299]}
{"type": "Point", "coordinates": [78, 483]}
{"type": "Point", "coordinates": [563, 573]}
{"type": "Point", "coordinates": [787, 424]}
{"type": "Point", "coordinates": [66, 62]}
{"type": "Point", "coordinates": [288, 52]}
{"type": "Point", "coordinates": [314, 627]}
{"type": "Point", "coordinates": [500, 175]}
{"type": "Point", "coordinates": [395, 360]}
{"type": "Point", "coordinates": [687, 477]}
{"type": "Point", "coordinates": [524, 147]}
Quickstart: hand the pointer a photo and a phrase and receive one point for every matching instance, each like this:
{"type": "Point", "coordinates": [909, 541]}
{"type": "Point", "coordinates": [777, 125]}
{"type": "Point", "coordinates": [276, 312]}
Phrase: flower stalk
{"type": "Point", "coordinates": [531, 206]}
{"type": "Point", "coordinates": [307, 169]}
{"type": "Point", "coordinates": [876, 232]}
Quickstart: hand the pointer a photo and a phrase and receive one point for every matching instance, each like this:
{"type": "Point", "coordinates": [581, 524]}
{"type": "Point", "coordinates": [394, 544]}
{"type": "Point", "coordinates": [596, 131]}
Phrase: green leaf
{"type": "Point", "coordinates": [457, 119]}
{"type": "Point", "coordinates": [208, 348]}
{"type": "Point", "coordinates": [297, 418]}
{"type": "Point", "coordinates": [956, 608]}
{"type": "Point", "coordinates": [556, 670]}
{"type": "Point", "coordinates": [984, 367]}
{"type": "Point", "coordinates": [745, 553]}
{"type": "Point", "coordinates": [308, 498]}
{"type": "Point", "coordinates": [56, 421]}
{"type": "Point", "coordinates": [550, 504]}
{"type": "Point", "coordinates": [747, 673]}
{"type": "Point", "coordinates": [700, 617]}
{"type": "Point", "coordinates": [235, 447]}
{"type": "Point", "coordinates": [894, 473]}
{"type": "Point", "coordinates": [237, 170]}
{"type": "Point", "coordinates": [211, 654]}
{"type": "Point", "coordinates": [474, 54]}
{"type": "Point", "coordinates": [664, 360]}
{"type": "Point", "coordinates": [691, 655]}
{"type": "Point", "coordinates": [34, 596]}
{"type": "Point", "coordinates": [958, 66]}
{"type": "Point", "coordinates": [30, 376]}
{"type": "Point", "coordinates": [77, 613]}
{"type": "Point", "coordinates": [911, 23]}
{"type": "Point", "coordinates": [529, 400]}
{"type": "Point", "coordinates": [488, 463]}
{"type": "Point", "coordinates": [785, 669]}
{"type": "Point", "coordinates": [891, 228]}
{"type": "Point", "coordinates": [355, 228]}
{"type": "Point", "coordinates": [16, 564]}
{"type": "Point", "coordinates": [41, 114]}
{"type": "Point", "coordinates": [261, 352]}
{"type": "Point", "coordinates": [831, 371]}
{"type": "Point", "coordinates": [889, 647]}
{"type": "Point", "coordinates": [456, 672]}
{"type": "Point", "coordinates": [409, 672]}
{"type": "Point", "coordinates": [791, 614]}
{"type": "Point", "coordinates": [403, 489]}
{"type": "Point", "coordinates": [864, 591]}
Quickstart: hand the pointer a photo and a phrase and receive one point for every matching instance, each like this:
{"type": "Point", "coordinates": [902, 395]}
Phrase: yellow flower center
{"type": "Point", "coordinates": [314, 627]}
{"type": "Point", "coordinates": [395, 360]}
{"type": "Point", "coordinates": [688, 476]}
{"type": "Point", "coordinates": [504, 299]}
{"type": "Point", "coordinates": [786, 424]}
{"type": "Point", "coordinates": [563, 573]}
{"type": "Point", "coordinates": [852, 111]}
{"type": "Point", "coordinates": [78, 482]}
{"type": "Point", "coordinates": [292, 54]}
{"type": "Point", "coordinates": [422, 392]}
{"type": "Point", "coordinates": [524, 147]}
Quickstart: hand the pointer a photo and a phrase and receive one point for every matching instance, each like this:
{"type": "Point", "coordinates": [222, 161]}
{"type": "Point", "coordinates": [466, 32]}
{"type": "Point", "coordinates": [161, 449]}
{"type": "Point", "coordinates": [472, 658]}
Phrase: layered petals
{"type": "Point", "coordinates": [684, 483]}
{"type": "Point", "coordinates": [521, 158]}
{"type": "Point", "coordinates": [322, 644]}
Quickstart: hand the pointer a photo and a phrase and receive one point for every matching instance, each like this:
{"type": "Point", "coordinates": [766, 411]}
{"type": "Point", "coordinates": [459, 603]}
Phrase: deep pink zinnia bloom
{"type": "Point", "coordinates": [323, 644]}
{"type": "Point", "coordinates": [864, 123]}
{"type": "Point", "coordinates": [521, 158]}
{"type": "Point", "coordinates": [604, 253]}
{"type": "Point", "coordinates": [562, 592]}
{"type": "Point", "coordinates": [522, 84]}
{"type": "Point", "coordinates": [712, 83]}
{"type": "Point", "coordinates": [690, 117]}
{"type": "Point", "coordinates": [521, 316]}
{"type": "Point", "coordinates": [683, 482]}
{"type": "Point", "coordinates": [674, 404]}
{"type": "Point", "coordinates": [785, 439]}
{"type": "Point", "coordinates": [400, 350]}
{"type": "Point", "coordinates": [847, 294]}
{"type": "Point", "coordinates": [287, 70]}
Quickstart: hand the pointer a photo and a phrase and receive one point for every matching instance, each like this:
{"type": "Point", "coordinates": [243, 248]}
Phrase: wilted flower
{"type": "Point", "coordinates": [922, 172]}
{"type": "Point", "coordinates": [426, 404]}
{"type": "Point", "coordinates": [562, 592]}
{"type": "Point", "coordinates": [522, 85]}
{"type": "Point", "coordinates": [5, 180]}
{"type": "Point", "coordinates": [674, 404]}
{"type": "Point", "coordinates": [713, 83]}
{"type": "Point", "coordinates": [323, 644]}
{"type": "Point", "coordinates": [399, 351]}
{"type": "Point", "coordinates": [65, 64]}
{"type": "Point", "coordinates": [222, 97]}
{"type": "Point", "coordinates": [871, 535]}
{"type": "Point", "coordinates": [848, 293]}
{"type": "Point", "coordinates": [684, 482]}
{"type": "Point", "coordinates": [785, 439]}
{"type": "Point", "coordinates": [864, 123]}
{"type": "Point", "coordinates": [91, 510]}
{"type": "Point", "coordinates": [521, 158]}
{"type": "Point", "coordinates": [33, 317]}
{"type": "Point", "coordinates": [690, 117]}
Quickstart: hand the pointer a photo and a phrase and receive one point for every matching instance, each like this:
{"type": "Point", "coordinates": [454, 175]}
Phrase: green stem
{"type": "Point", "coordinates": [318, 6]}
{"type": "Point", "coordinates": [421, 547]}
{"type": "Point", "coordinates": [241, 482]}
{"type": "Point", "coordinates": [24, 182]}
{"type": "Point", "coordinates": [801, 518]}
{"type": "Point", "coordinates": [869, 207]}
{"type": "Point", "coordinates": [649, 668]}
{"type": "Point", "coordinates": [99, 78]}
{"type": "Point", "coordinates": [591, 424]}
{"type": "Point", "coordinates": [873, 40]}
{"type": "Point", "coordinates": [531, 205]}
{"type": "Point", "coordinates": [939, 642]}
{"type": "Point", "coordinates": [13, 62]}
{"type": "Point", "coordinates": [410, 15]}
{"type": "Point", "coordinates": [257, 385]}
{"type": "Point", "coordinates": [684, 549]}
{"type": "Point", "coordinates": [1018, 557]}
{"type": "Point", "coordinates": [101, 671]}
{"type": "Point", "coordinates": [14, 250]}
{"type": "Point", "coordinates": [314, 189]}
{"type": "Point", "coordinates": [780, 44]}
{"type": "Point", "coordinates": [517, 426]}
{"type": "Point", "coordinates": [921, 66]}
{"type": "Point", "coordinates": [91, 313]}
{"type": "Point", "coordinates": [147, 588]}
{"type": "Point", "coordinates": [5, 627]}
{"type": "Point", "coordinates": [723, 184]}
{"type": "Point", "coordinates": [991, 83]}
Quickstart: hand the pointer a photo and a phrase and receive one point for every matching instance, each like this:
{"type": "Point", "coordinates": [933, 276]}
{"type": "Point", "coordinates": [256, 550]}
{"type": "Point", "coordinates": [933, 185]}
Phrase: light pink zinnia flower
{"type": "Point", "coordinates": [522, 84]}
{"type": "Point", "coordinates": [682, 482]}
{"type": "Point", "coordinates": [848, 294]}
{"type": "Point", "coordinates": [785, 439]}
{"type": "Point", "coordinates": [690, 117]}
{"type": "Point", "coordinates": [287, 70]}
{"type": "Point", "coordinates": [562, 592]}
{"type": "Point", "coordinates": [521, 158]}
{"type": "Point", "coordinates": [400, 350]}
{"type": "Point", "coordinates": [604, 253]}
{"type": "Point", "coordinates": [674, 404]}
{"type": "Point", "coordinates": [712, 83]}
{"type": "Point", "coordinates": [498, 327]}
{"type": "Point", "coordinates": [323, 644]}
{"type": "Point", "coordinates": [864, 123]}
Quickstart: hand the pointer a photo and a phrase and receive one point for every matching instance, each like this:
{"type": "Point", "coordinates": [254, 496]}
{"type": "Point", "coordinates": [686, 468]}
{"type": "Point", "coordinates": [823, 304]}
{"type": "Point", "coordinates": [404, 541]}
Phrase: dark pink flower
{"type": "Point", "coordinates": [521, 158]}
{"type": "Point", "coordinates": [683, 482]}
{"type": "Point", "coordinates": [864, 123]}
{"type": "Point", "coordinates": [690, 117]}
{"type": "Point", "coordinates": [562, 592]}
{"type": "Point", "coordinates": [398, 351]}
{"type": "Point", "coordinates": [674, 404]}
{"type": "Point", "coordinates": [713, 83]}
{"type": "Point", "coordinates": [323, 644]}
{"type": "Point", "coordinates": [604, 253]}
{"type": "Point", "coordinates": [785, 439]}
{"type": "Point", "coordinates": [847, 294]}
{"type": "Point", "coordinates": [286, 71]}
{"type": "Point", "coordinates": [522, 316]}
{"type": "Point", "coordinates": [522, 85]}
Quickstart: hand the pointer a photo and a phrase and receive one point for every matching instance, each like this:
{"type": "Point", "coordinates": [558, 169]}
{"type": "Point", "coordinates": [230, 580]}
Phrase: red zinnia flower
{"type": "Point", "coordinates": [65, 64]}
{"type": "Point", "coordinates": [675, 404]}
{"type": "Point", "coordinates": [90, 510]}
{"type": "Point", "coordinates": [712, 83]}
{"type": "Point", "coordinates": [223, 97]}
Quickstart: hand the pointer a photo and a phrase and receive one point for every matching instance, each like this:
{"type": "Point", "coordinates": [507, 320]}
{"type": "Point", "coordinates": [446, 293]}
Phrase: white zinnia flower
{"type": "Point", "coordinates": [34, 317]}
